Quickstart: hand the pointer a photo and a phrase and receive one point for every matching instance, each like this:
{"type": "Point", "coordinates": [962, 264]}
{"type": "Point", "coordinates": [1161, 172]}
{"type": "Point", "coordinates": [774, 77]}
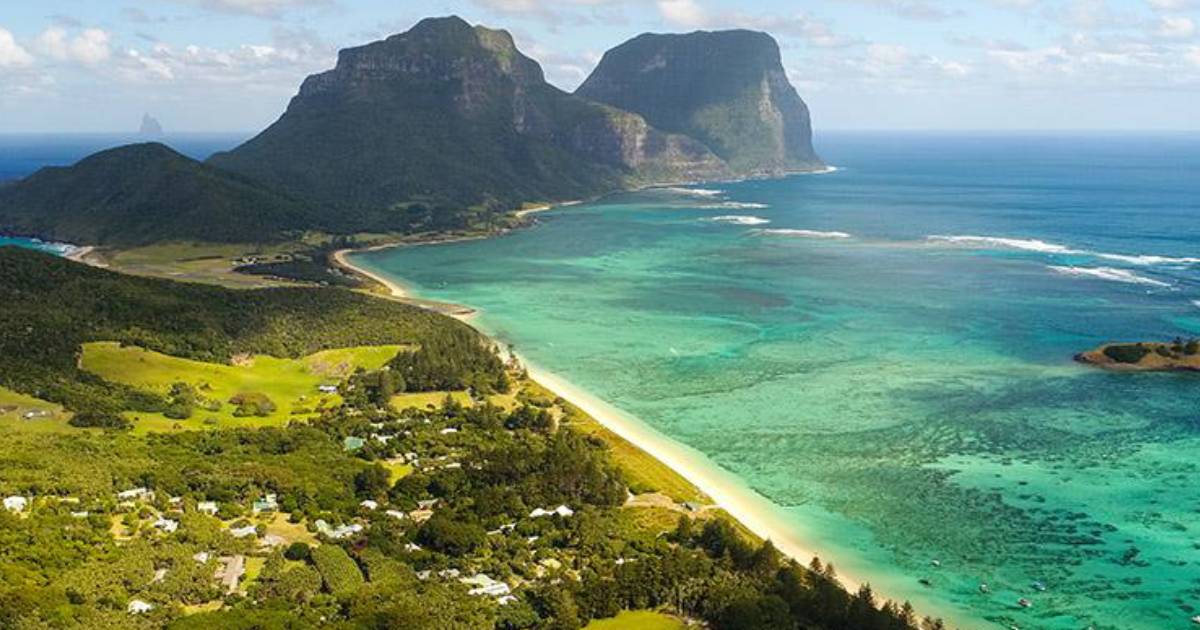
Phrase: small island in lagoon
{"type": "Point", "coordinates": [1179, 355]}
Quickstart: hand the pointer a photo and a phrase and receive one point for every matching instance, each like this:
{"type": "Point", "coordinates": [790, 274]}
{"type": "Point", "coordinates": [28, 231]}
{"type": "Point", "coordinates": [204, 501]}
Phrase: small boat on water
{"type": "Point", "coordinates": [1024, 603]}
{"type": "Point", "coordinates": [924, 582]}
{"type": "Point", "coordinates": [936, 563]}
{"type": "Point", "coordinates": [1038, 586]}
{"type": "Point", "coordinates": [1196, 620]}
{"type": "Point", "coordinates": [983, 588]}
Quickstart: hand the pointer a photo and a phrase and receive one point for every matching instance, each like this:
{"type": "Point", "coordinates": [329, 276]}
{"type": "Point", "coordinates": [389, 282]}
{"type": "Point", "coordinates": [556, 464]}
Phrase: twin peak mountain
{"type": "Point", "coordinates": [447, 126]}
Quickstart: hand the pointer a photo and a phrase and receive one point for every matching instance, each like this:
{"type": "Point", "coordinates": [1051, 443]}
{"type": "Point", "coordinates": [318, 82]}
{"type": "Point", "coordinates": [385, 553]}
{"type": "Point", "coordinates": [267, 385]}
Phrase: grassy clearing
{"type": "Point", "coordinates": [279, 525]}
{"type": "Point", "coordinates": [397, 471]}
{"type": "Point", "coordinates": [638, 620]}
{"type": "Point", "coordinates": [291, 384]}
{"type": "Point", "coordinates": [650, 521]}
{"type": "Point", "coordinates": [14, 406]}
{"type": "Point", "coordinates": [199, 262]}
{"type": "Point", "coordinates": [254, 567]}
{"type": "Point", "coordinates": [422, 400]}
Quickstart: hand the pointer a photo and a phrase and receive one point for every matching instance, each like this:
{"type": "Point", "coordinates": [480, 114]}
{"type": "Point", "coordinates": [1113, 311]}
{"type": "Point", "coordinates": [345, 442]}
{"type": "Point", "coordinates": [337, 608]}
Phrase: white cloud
{"type": "Point", "coordinates": [1176, 27]}
{"type": "Point", "coordinates": [89, 47]}
{"type": "Point", "coordinates": [1193, 56]}
{"type": "Point", "coordinates": [1172, 5]}
{"type": "Point", "coordinates": [925, 10]}
{"type": "Point", "coordinates": [687, 13]}
{"type": "Point", "coordinates": [12, 54]}
{"type": "Point", "coordinates": [259, 8]}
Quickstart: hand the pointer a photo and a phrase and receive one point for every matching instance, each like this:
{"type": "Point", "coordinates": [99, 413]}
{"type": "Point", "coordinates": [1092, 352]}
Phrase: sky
{"type": "Point", "coordinates": [232, 65]}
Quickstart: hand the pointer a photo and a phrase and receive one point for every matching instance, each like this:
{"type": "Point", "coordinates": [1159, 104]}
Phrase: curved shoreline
{"type": "Point", "coordinates": [750, 508]}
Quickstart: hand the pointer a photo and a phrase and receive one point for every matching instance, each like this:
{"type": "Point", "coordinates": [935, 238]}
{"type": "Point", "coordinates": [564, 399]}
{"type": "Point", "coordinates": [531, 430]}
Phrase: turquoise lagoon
{"type": "Point", "coordinates": [885, 353]}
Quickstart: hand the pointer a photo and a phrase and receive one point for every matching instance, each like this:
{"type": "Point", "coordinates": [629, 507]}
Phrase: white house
{"type": "Point", "coordinates": [134, 493]}
{"type": "Point", "coordinates": [137, 607]}
{"type": "Point", "coordinates": [269, 503]}
{"type": "Point", "coordinates": [16, 503]}
{"type": "Point", "coordinates": [448, 431]}
{"type": "Point", "coordinates": [207, 507]}
{"type": "Point", "coordinates": [561, 510]}
{"type": "Point", "coordinates": [327, 389]}
{"type": "Point", "coordinates": [396, 514]}
{"type": "Point", "coordinates": [369, 505]}
{"type": "Point", "coordinates": [242, 532]}
{"type": "Point", "coordinates": [485, 585]}
{"type": "Point", "coordinates": [167, 525]}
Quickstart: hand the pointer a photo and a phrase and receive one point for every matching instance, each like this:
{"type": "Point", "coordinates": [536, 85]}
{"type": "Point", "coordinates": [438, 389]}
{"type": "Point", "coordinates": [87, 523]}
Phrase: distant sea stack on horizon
{"type": "Point", "coordinates": [150, 127]}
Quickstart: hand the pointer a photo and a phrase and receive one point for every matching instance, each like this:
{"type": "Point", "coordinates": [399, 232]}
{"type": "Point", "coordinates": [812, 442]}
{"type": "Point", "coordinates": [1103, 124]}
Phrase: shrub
{"type": "Point", "coordinates": [338, 570]}
{"type": "Point", "coordinates": [297, 551]}
{"type": "Point", "coordinates": [99, 419]}
{"type": "Point", "coordinates": [1128, 353]}
{"type": "Point", "coordinates": [252, 404]}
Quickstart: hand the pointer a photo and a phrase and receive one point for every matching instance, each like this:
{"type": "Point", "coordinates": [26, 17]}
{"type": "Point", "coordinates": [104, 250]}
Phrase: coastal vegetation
{"type": "Point", "coordinates": [152, 518]}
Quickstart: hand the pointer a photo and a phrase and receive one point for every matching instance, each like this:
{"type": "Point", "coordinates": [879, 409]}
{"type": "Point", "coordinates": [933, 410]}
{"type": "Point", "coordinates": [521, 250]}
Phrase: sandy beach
{"type": "Point", "coordinates": [750, 508]}
{"type": "Point", "coordinates": [339, 257]}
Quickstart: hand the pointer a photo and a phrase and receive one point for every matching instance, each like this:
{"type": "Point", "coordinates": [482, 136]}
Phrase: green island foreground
{"type": "Point", "coordinates": [500, 506]}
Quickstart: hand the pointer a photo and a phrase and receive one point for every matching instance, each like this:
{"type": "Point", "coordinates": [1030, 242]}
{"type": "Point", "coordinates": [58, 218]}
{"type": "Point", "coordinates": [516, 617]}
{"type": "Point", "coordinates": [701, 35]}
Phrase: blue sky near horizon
{"type": "Point", "coordinates": [232, 65]}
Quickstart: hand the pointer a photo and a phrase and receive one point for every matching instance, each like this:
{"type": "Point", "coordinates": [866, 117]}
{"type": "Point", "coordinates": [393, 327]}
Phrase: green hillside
{"type": "Point", "coordinates": [53, 306]}
{"type": "Point", "coordinates": [146, 193]}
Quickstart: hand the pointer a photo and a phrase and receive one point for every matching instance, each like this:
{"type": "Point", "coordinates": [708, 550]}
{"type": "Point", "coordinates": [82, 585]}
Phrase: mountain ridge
{"type": "Point", "coordinates": [444, 127]}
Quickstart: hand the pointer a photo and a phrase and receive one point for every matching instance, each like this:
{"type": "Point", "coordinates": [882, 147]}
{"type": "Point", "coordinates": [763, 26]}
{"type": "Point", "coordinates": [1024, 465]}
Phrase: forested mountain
{"type": "Point", "coordinates": [144, 193]}
{"type": "Point", "coordinates": [443, 127]}
{"type": "Point", "coordinates": [727, 89]}
{"type": "Point", "coordinates": [447, 117]}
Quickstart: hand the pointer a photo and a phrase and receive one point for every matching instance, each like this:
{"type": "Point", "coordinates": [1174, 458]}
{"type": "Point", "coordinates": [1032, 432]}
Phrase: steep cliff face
{"type": "Point", "coordinates": [448, 116]}
{"type": "Point", "coordinates": [727, 89]}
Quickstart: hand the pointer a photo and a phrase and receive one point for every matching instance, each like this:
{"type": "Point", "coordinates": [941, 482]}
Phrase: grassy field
{"type": "Point", "coordinates": [637, 620]}
{"type": "Point", "coordinates": [279, 525]}
{"type": "Point", "coordinates": [397, 471]}
{"type": "Point", "coordinates": [291, 384]}
{"type": "Point", "coordinates": [14, 406]}
{"type": "Point", "coordinates": [422, 400]}
{"type": "Point", "coordinates": [198, 262]}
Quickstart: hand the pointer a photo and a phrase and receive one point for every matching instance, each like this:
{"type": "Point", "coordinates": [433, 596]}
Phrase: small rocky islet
{"type": "Point", "coordinates": [1179, 355]}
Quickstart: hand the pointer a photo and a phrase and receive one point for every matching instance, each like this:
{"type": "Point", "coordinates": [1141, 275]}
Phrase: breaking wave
{"type": "Point", "coordinates": [1108, 273]}
{"type": "Point", "coordinates": [737, 205]}
{"type": "Point", "coordinates": [804, 233]}
{"type": "Point", "coordinates": [695, 192]}
{"type": "Point", "coordinates": [739, 219]}
{"type": "Point", "coordinates": [1031, 244]}
{"type": "Point", "coordinates": [1036, 245]}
